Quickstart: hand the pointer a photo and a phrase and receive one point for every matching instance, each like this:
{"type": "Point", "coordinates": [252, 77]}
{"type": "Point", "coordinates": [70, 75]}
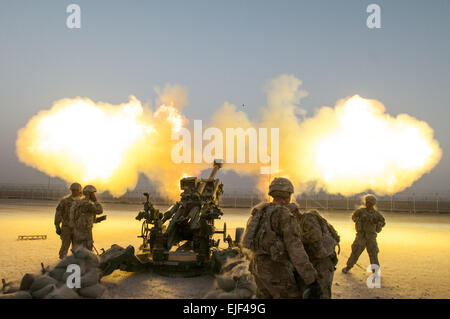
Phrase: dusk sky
{"type": "Point", "coordinates": [224, 51]}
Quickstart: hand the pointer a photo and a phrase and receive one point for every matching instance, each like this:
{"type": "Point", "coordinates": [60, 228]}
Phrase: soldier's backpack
{"type": "Point", "coordinates": [253, 223]}
{"type": "Point", "coordinates": [73, 214]}
{"type": "Point", "coordinates": [261, 238]}
{"type": "Point", "coordinates": [330, 237]}
{"type": "Point", "coordinates": [77, 218]}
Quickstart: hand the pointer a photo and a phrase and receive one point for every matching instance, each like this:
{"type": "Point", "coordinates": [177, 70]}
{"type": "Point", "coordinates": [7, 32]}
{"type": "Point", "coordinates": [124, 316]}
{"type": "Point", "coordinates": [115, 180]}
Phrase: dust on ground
{"type": "Point", "coordinates": [414, 252]}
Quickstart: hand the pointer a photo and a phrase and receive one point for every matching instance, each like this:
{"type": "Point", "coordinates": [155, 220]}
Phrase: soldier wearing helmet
{"type": "Point", "coordinates": [319, 239]}
{"type": "Point", "coordinates": [279, 262]}
{"type": "Point", "coordinates": [368, 222]}
{"type": "Point", "coordinates": [62, 222]}
{"type": "Point", "coordinates": [83, 216]}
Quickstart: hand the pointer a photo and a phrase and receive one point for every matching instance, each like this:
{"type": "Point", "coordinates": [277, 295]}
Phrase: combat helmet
{"type": "Point", "coordinates": [370, 199]}
{"type": "Point", "coordinates": [75, 187]}
{"type": "Point", "coordinates": [89, 189]}
{"type": "Point", "coordinates": [281, 187]}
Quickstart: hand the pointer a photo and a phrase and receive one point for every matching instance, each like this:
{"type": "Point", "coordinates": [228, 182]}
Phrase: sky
{"type": "Point", "coordinates": [224, 51]}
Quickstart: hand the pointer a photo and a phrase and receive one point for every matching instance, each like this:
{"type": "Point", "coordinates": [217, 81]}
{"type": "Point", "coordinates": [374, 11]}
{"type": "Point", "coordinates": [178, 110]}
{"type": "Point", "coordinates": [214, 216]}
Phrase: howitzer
{"type": "Point", "coordinates": [192, 218]}
{"type": "Point", "coordinates": [181, 239]}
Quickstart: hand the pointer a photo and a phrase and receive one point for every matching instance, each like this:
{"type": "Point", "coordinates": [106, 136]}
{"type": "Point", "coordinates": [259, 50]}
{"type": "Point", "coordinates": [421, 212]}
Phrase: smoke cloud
{"type": "Point", "coordinates": [349, 148]}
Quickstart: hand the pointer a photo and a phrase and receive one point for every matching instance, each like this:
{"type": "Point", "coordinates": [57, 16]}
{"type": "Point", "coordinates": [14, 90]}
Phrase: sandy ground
{"type": "Point", "coordinates": [415, 253]}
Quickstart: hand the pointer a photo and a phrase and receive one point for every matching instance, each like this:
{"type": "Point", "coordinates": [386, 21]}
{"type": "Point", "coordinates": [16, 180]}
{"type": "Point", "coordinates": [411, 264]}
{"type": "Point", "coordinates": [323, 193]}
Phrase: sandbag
{"type": "Point", "coordinates": [246, 282]}
{"type": "Point", "coordinates": [41, 282]}
{"type": "Point", "coordinates": [95, 291]}
{"type": "Point", "coordinates": [228, 295]}
{"type": "Point", "coordinates": [242, 293]}
{"type": "Point", "coordinates": [82, 253]}
{"type": "Point", "coordinates": [66, 261]}
{"type": "Point", "coordinates": [62, 292]}
{"type": "Point", "coordinates": [225, 283]}
{"type": "Point", "coordinates": [212, 294]}
{"type": "Point", "coordinates": [57, 273]}
{"type": "Point", "coordinates": [41, 293]}
{"type": "Point", "coordinates": [27, 281]}
{"type": "Point", "coordinates": [91, 278]}
{"type": "Point", "coordinates": [92, 260]}
{"type": "Point", "coordinates": [21, 294]}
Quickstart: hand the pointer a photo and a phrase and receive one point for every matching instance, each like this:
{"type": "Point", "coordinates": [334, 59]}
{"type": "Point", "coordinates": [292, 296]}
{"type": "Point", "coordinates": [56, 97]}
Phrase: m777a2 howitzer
{"type": "Point", "coordinates": [179, 241]}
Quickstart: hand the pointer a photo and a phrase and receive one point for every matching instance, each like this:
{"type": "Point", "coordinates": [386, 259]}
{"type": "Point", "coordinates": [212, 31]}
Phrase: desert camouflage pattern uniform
{"type": "Point", "coordinates": [320, 239]}
{"type": "Point", "coordinates": [279, 262]}
{"type": "Point", "coordinates": [62, 218]}
{"type": "Point", "coordinates": [367, 223]}
{"type": "Point", "coordinates": [82, 216]}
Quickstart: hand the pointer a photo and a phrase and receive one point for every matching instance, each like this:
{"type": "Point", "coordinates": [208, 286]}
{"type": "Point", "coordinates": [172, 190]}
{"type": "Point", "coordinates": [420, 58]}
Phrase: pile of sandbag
{"type": "Point", "coordinates": [235, 281]}
{"type": "Point", "coordinates": [53, 283]}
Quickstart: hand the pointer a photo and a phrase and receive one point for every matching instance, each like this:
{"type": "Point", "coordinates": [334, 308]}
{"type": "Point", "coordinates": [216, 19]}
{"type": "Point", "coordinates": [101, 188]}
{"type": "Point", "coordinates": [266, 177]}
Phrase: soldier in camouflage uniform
{"type": "Point", "coordinates": [368, 222]}
{"type": "Point", "coordinates": [320, 240]}
{"type": "Point", "coordinates": [278, 262]}
{"type": "Point", "coordinates": [62, 223]}
{"type": "Point", "coordinates": [83, 216]}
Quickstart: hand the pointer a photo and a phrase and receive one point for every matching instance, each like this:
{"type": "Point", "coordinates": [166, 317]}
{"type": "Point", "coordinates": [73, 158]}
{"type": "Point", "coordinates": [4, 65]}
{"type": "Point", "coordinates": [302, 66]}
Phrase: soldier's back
{"type": "Point", "coordinates": [83, 214]}
{"type": "Point", "coordinates": [274, 273]}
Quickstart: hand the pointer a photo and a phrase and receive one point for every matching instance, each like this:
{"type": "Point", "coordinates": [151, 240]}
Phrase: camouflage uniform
{"type": "Point", "coordinates": [320, 240]}
{"type": "Point", "coordinates": [83, 214]}
{"type": "Point", "coordinates": [62, 222]}
{"type": "Point", "coordinates": [278, 254]}
{"type": "Point", "coordinates": [367, 223]}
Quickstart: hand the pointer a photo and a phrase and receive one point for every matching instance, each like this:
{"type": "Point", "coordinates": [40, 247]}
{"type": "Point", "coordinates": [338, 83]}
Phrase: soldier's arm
{"type": "Point", "coordinates": [287, 226]}
{"type": "Point", "coordinates": [381, 220]}
{"type": "Point", "coordinates": [58, 213]}
{"type": "Point", "coordinates": [356, 215]}
{"type": "Point", "coordinates": [99, 208]}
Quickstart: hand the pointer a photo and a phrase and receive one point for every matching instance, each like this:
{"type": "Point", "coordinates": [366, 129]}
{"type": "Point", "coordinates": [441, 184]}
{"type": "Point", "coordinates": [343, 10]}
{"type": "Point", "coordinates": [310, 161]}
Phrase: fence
{"type": "Point", "coordinates": [414, 202]}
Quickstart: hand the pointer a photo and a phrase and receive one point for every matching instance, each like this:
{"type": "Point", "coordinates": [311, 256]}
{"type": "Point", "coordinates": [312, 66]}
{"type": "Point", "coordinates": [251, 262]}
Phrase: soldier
{"type": "Point", "coordinates": [368, 222]}
{"type": "Point", "coordinates": [83, 216]}
{"type": "Point", "coordinates": [62, 223]}
{"type": "Point", "coordinates": [320, 240]}
{"type": "Point", "coordinates": [278, 259]}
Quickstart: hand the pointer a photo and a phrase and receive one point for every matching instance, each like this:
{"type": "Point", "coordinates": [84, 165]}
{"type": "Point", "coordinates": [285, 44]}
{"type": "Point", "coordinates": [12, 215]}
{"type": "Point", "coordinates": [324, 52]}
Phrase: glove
{"type": "Point", "coordinates": [58, 230]}
{"type": "Point", "coordinates": [313, 291]}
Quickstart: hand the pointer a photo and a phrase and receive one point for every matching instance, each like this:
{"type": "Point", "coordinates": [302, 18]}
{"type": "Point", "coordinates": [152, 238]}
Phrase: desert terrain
{"type": "Point", "coordinates": [414, 252]}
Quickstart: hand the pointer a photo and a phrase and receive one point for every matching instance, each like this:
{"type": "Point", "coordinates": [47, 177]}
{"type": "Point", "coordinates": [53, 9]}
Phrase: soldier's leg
{"type": "Point", "coordinates": [325, 271]}
{"type": "Point", "coordinates": [261, 290]}
{"type": "Point", "coordinates": [372, 248]}
{"type": "Point", "coordinates": [66, 240]}
{"type": "Point", "coordinates": [275, 280]}
{"type": "Point", "coordinates": [358, 247]}
{"type": "Point", "coordinates": [90, 241]}
{"type": "Point", "coordinates": [80, 239]}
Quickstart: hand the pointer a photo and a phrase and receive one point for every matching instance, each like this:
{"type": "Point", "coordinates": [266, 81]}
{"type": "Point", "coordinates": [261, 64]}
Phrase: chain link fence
{"type": "Point", "coordinates": [413, 202]}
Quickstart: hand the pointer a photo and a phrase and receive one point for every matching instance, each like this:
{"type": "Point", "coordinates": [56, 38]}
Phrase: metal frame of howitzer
{"type": "Point", "coordinates": [190, 220]}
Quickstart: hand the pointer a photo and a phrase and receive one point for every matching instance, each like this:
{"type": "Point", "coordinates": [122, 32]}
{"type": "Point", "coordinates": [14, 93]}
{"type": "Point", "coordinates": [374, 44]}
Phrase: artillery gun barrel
{"type": "Point", "coordinates": [217, 166]}
{"type": "Point", "coordinates": [212, 175]}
